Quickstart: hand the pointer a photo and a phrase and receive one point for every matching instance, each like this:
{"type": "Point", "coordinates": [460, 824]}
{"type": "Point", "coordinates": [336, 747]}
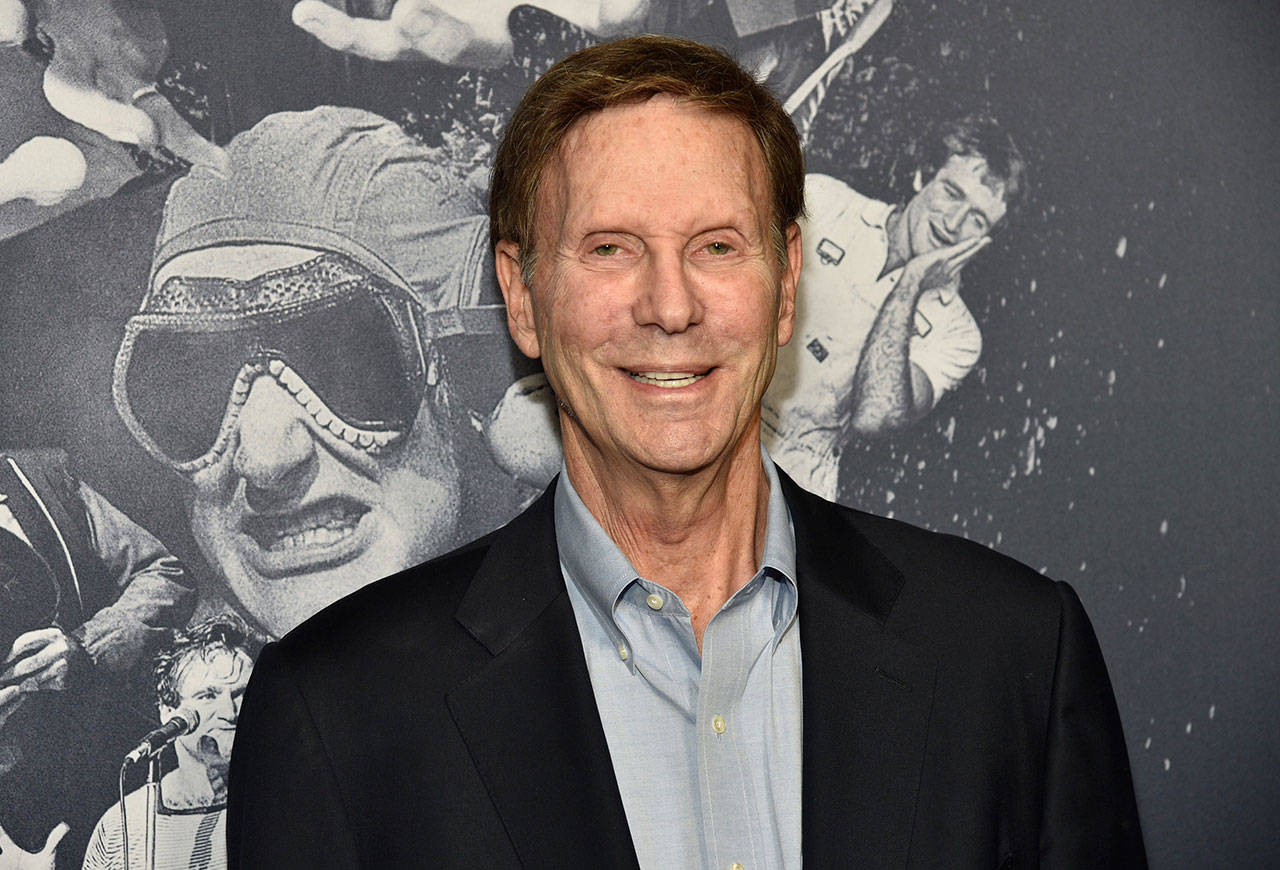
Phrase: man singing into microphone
{"type": "Point", "coordinates": [205, 673]}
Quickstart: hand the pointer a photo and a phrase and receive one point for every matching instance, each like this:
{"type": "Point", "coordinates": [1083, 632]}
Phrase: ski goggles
{"type": "Point", "coordinates": [344, 344]}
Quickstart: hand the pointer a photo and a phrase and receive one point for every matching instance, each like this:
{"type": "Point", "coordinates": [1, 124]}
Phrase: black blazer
{"type": "Point", "coordinates": [957, 713]}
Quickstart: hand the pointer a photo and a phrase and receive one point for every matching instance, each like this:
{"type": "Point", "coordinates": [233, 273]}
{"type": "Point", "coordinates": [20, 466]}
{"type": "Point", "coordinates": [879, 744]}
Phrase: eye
{"type": "Point", "coordinates": [980, 224]}
{"type": "Point", "coordinates": [608, 249]}
{"type": "Point", "coordinates": [719, 248]}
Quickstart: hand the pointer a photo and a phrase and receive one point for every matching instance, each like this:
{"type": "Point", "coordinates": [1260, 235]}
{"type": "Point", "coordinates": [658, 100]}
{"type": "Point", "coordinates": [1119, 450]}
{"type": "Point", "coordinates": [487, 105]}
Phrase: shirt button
{"type": "Point", "coordinates": [622, 651]}
{"type": "Point", "coordinates": [736, 866]}
{"type": "Point", "coordinates": [654, 601]}
{"type": "Point", "coordinates": [717, 724]}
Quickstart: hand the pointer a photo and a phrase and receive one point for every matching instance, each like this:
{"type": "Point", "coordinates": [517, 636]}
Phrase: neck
{"type": "Point", "coordinates": [899, 245]}
{"type": "Point", "coordinates": [698, 533]}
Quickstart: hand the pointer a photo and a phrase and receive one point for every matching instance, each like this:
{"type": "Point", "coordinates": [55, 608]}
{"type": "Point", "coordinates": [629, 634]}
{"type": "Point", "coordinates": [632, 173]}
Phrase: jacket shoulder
{"type": "Point", "coordinates": [934, 588]}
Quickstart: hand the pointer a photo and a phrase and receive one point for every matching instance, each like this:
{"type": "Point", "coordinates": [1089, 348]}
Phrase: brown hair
{"type": "Point", "coordinates": [630, 71]}
{"type": "Point", "coordinates": [980, 135]}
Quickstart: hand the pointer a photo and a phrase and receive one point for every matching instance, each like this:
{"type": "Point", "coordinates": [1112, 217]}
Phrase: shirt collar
{"type": "Point", "coordinates": [593, 562]}
{"type": "Point", "coordinates": [876, 213]}
{"type": "Point", "coordinates": [947, 295]}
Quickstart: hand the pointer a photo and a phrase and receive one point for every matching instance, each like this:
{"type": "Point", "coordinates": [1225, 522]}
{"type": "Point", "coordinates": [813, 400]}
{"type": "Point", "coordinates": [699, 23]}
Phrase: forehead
{"type": "Point", "coordinates": [217, 666]}
{"type": "Point", "coordinates": [972, 173]}
{"type": "Point", "coordinates": [623, 159]}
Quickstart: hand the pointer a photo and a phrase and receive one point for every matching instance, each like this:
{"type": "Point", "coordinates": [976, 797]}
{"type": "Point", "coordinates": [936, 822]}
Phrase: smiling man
{"type": "Point", "coordinates": [882, 332]}
{"type": "Point", "coordinates": [284, 360]}
{"type": "Point", "coordinates": [614, 679]}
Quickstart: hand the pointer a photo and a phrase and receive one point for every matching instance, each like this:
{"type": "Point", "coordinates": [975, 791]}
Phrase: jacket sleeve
{"type": "Point", "coordinates": [1090, 817]}
{"type": "Point", "coordinates": [284, 805]}
{"type": "Point", "coordinates": [155, 593]}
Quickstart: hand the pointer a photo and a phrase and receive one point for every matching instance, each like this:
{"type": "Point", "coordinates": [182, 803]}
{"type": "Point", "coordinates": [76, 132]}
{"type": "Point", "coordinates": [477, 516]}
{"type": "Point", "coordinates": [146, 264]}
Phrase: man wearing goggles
{"type": "Point", "coordinates": [284, 359]}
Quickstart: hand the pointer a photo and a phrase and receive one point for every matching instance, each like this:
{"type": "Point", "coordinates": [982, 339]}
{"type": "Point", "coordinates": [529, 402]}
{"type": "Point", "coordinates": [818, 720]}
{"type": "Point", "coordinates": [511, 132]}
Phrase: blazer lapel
{"type": "Point", "coordinates": [529, 718]}
{"type": "Point", "coordinates": [867, 695]}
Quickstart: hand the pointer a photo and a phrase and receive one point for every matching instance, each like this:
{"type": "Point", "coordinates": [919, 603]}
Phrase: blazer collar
{"type": "Point", "coordinates": [518, 578]}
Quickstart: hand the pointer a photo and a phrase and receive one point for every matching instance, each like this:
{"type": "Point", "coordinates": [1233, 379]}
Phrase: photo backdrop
{"type": "Point", "coordinates": [1118, 432]}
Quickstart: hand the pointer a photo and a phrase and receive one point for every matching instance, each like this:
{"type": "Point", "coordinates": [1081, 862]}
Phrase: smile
{"type": "Point", "coordinates": [322, 534]}
{"type": "Point", "coordinates": [320, 525]}
{"type": "Point", "coordinates": [667, 380]}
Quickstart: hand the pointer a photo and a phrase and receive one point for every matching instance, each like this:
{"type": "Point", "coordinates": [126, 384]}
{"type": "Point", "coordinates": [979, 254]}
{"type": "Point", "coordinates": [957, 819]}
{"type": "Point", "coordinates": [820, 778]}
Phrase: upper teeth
{"type": "Point", "coordinates": [667, 379]}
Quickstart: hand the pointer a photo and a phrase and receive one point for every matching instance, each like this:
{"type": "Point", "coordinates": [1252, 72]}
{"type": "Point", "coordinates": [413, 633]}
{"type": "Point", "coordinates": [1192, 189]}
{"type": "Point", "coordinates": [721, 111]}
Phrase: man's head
{"type": "Point", "coordinates": [285, 360]}
{"type": "Point", "coordinates": [659, 185]}
{"type": "Point", "coordinates": [206, 670]}
{"type": "Point", "coordinates": [975, 176]}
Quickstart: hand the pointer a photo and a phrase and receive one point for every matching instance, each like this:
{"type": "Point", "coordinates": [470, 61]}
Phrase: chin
{"type": "Point", "coordinates": [686, 454]}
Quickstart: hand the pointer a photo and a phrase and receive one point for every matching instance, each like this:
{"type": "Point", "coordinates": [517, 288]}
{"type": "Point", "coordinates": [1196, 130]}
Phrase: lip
{"type": "Point", "coordinates": [667, 378]}
{"type": "Point", "coordinates": [316, 536]}
{"type": "Point", "coordinates": [942, 239]}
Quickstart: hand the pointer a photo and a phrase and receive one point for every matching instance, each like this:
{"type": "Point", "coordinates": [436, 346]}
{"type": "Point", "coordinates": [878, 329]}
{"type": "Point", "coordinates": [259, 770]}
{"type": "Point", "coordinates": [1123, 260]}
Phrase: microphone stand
{"type": "Point", "coordinates": [153, 798]}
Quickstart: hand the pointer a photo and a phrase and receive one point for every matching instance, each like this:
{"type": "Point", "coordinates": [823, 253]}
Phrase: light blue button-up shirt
{"type": "Point", "coordinates": [706, 749]}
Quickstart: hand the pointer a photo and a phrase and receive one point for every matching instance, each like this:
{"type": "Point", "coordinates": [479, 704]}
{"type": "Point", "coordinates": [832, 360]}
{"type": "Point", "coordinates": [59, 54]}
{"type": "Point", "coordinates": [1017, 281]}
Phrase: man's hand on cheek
{"type": "Point", "coordinates": [940, 268]}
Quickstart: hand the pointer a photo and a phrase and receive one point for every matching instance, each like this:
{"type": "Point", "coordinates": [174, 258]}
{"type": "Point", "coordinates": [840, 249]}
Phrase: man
{"type": "Point", "coordinates": [882, 331]}
{"type": "Point", "coordinates": [614, 678]}
{"type": "Point", "coordinates": [286, 360]}
{"type": "Point", "coordinates": [89, 596]}
{"type": "Point", "coordinates": [206, 672]}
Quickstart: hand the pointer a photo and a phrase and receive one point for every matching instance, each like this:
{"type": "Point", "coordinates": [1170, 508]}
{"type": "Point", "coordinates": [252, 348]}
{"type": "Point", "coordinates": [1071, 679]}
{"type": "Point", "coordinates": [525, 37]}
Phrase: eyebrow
{"type": "Point", "coordinates": [979, 209]}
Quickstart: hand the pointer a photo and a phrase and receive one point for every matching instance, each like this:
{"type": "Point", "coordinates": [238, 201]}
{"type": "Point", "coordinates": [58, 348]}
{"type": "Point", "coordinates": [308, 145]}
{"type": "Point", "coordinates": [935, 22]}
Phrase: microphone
{"type": "Point", "coordinates": [183, 721]}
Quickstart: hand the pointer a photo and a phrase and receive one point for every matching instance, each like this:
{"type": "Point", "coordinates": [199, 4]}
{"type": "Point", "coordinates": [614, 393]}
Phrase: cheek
{"type": "Point", "coordinates": [417, 505]}
{"type": "Point", "coordinates": [574, 324]}
{"type": "Point", "coordinates": [420, 497]}
{"type": "Point", "coordinates": [209, 526]}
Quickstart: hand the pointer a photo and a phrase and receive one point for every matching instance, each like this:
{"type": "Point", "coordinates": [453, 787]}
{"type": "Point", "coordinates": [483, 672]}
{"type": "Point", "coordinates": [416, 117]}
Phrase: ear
{"type": "Point", "coordinates": [790, 284]}
{"type": "Point", "coordinates": [166, 713]}
{"type": "Point", "coordinates": [519, 298]}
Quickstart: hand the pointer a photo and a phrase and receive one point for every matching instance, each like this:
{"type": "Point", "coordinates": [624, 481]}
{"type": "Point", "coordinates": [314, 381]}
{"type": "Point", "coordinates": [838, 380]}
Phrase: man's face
{"type": "Point", "coordinates": [962, 201]}
{"type": "Point", "coordinates": [212, 685]}
{"type": "Point", "coordinates": [294, 516]}
{"type": "Point", "coordinates": [658, 303]}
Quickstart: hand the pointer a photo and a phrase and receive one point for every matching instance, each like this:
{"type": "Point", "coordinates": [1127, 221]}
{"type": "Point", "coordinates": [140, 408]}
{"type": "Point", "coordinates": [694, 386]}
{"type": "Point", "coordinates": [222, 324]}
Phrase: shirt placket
{"type": "Point", "coordinates": [731, 826]}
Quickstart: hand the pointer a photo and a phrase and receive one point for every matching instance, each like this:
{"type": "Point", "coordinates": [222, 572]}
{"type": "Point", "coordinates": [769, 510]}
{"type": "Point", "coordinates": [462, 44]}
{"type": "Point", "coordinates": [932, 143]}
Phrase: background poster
{"type": "Point", "coordinates": [1118, 432]}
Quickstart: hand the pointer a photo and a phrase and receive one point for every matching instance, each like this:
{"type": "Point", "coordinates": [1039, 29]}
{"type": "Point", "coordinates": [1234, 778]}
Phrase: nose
{"type": "Point", "coordinates": [669, 298]}
{"type": "Point", "coordinates": [953, 221]}
{"type": "Point", "coordinates": [276, 452]}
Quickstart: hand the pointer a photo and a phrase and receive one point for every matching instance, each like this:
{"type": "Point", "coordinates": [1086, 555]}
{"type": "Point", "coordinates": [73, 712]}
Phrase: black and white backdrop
{"type": "Point", "coordinates": [1118, 432]}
